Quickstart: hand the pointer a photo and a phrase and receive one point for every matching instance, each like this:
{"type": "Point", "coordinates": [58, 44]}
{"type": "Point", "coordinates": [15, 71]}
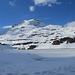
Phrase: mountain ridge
{"type": "Point", "coordinates": [34, 34]}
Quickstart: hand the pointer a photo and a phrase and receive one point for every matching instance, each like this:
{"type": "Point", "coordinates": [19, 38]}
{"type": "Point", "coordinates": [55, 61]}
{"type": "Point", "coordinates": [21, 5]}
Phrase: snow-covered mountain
{"type": "Point", "coordinates": [34, 34]}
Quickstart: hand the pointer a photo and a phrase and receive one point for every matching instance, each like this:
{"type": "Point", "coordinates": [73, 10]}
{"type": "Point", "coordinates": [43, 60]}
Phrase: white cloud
{"type": "Point", "coordinates": [32, 8]}
{"type": "Point", "coordinates": [43, 3]}
{"type": "Point", "coordinates": [7, 26]}
{"type": "Point", "coordinates": [12, 3]}
{"type": "Point", "coordinates": [46, 2]}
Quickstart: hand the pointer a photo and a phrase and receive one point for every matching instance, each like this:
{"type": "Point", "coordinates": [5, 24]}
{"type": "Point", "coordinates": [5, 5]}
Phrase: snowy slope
{"type": "Point", "coordinates": [34, 34]}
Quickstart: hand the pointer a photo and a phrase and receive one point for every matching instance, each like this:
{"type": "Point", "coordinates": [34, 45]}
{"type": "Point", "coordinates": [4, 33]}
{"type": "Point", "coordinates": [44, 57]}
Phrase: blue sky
{"type": "Point", "coordinates": [49, 11]}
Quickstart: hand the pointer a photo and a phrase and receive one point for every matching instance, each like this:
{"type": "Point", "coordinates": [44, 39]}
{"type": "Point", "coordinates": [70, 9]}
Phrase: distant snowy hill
{"type": "Point", "coordinates": [34, 34]}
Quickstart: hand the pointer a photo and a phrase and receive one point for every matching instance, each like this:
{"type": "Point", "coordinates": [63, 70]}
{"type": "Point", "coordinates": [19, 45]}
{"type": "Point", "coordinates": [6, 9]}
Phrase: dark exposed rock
{"type": "Point", "coordinates": [67, 39]}
{"type": "Point", "coordinates": [23, 43]}
{"type": "Point", "coordinates": [51, 33]}
{"type": "Point", "coordinates": [21, 35]}
{"type": "Point", "coordinates": [70, 40]}
{"type": "Point", "coordinates": [32, 47]}
{"type": "Point", "coordinates": [56, 42]}
{"type": "Point", "coordinates": [3, 44]}
{"type": "Point", "coordinates": [20, 48]}
{"type": "Point", "coordinates": [23, 27]}
{"type": "Point", "coordinates": [33, 35]}
{"type": "Point", "coordinates": [61, 40]}
{"type": "Point", "coordinates": [36, 42]}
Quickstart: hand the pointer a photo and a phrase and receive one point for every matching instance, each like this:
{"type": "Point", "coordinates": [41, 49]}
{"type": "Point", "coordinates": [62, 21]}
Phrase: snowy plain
{"type": "Point", "coordinates": [37, 62]}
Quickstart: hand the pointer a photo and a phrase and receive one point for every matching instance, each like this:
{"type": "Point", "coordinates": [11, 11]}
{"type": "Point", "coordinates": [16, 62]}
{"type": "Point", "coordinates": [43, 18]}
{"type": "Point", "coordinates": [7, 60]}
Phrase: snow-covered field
{"type": "Point", "coordinates": [37, 62]}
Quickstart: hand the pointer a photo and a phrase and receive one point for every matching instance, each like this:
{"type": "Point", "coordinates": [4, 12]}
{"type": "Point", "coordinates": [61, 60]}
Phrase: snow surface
{"type": "Point", "coordinates": [34, 30]}
{"type": "Point", "coordinates": [37, 62]}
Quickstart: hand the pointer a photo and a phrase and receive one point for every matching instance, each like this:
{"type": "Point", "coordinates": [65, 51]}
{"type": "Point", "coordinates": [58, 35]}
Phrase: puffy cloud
{"type": "Point", "coordinates": [46, 2]}
{"type": "Point", "coordinates": [12, 3]}
{"type": "Point", "coordinates": [32, 8]}
{"type": "Point", "coordinates": [43, 3]}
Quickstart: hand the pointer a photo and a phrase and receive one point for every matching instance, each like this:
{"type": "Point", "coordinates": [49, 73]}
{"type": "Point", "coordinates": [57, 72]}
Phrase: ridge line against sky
{"type": "Point", "coordinates": [49, 11]}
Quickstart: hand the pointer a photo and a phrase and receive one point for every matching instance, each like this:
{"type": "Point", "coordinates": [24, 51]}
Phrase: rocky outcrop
{"type": "Point", "coordinates": [67, 39]}
{"type": "Point", "coordinates": [56, 42]}
{"type": "Point", "coordinates": [32, 47]}
{"type": "Point", "coordinates": [23, 43]}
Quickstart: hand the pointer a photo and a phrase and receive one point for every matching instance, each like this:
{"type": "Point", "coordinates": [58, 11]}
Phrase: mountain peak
{"type": "Point", "coordinates": [34, 19]}
{"type": "Point", "coordinates": [34, 22]}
